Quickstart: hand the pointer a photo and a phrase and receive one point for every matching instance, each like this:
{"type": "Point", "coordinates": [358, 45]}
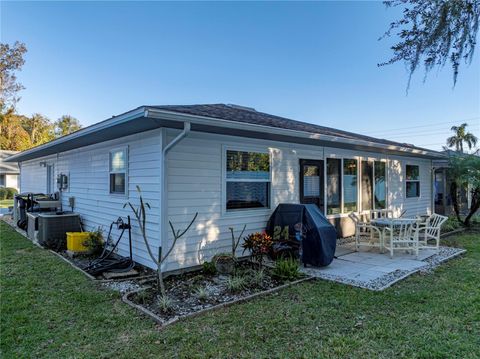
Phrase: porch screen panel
{"type": "Point", "coordinates": [367, 185]}
{"type": "Point", "coordinates": [349, 185]}
{"type": "Point", "coordinates": [380, 185]}
{"type": "Point", "coordinates": [334, 185]}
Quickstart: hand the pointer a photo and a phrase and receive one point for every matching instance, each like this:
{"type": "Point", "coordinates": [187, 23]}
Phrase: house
{"type": "Point", "coordinates": [231, 164]}
{"type": "Point", "coordinates": [442, 183]}
{"type": "Point", "coordinates": [9, 172]}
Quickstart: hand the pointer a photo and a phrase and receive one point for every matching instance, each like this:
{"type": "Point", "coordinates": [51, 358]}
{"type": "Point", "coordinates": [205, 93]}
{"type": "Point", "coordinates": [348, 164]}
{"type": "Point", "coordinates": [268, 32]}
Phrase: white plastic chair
{"type": "Point", "coordinates": [404, 236]}
{"type": "Point", "coordinates": [366, 234]}
{"type": "Point", "coordinates": [430, 230]}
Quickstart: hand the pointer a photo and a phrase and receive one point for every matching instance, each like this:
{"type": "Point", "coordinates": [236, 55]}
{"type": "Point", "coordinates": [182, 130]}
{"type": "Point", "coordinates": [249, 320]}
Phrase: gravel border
{"type": "Point", "coordinates": [389, 279]}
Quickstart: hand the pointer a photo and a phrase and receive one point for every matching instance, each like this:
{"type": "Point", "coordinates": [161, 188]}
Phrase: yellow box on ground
{"type": "Point", "coordinates": [75, 241]}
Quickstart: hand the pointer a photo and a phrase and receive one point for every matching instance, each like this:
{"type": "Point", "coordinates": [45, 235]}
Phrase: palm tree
{"type": "Point", "coordinates": [461, 136]}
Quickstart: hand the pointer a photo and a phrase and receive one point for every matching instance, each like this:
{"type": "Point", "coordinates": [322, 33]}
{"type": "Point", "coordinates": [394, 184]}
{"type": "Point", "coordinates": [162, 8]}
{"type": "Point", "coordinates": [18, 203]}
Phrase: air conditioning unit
{"type": "Point", "coordinates": [52, 229]}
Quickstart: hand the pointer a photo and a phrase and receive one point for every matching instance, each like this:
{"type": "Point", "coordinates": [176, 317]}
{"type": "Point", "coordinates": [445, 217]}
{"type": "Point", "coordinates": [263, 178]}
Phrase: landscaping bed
{"type": "Point", "coordinates": [193, 292]}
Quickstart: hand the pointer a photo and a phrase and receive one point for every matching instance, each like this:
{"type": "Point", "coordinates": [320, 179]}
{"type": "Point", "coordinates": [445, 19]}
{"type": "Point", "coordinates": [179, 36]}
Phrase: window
{"type": "Point", "coordinates": [349, 185]}
{"type": "Point", "coordinates": [118, 171]}
{"type": "Point", "coordinates": [334, 185]}
{"type": "Point", "coordinates": [380, 184]}
{"type": "Point", "coordinates": [373, 185]}
{"type": "Point", "coordinates": [2, 180]}
{"type": "Point", "coordinates": [247, 180]}
{"type": "Point", "coordinates": [412, 175]}
{"type": "Point", "coordinates": [367, 185]}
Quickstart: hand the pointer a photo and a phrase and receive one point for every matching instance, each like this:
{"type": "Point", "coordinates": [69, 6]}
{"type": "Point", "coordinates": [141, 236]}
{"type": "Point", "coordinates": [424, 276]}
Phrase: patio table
{"type": "Point", "coordinates": [392, 222]}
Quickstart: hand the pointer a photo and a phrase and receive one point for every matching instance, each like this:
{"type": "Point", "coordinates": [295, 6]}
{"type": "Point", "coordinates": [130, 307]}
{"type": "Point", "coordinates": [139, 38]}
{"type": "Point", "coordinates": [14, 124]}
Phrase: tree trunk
{"type": "Point", "coordinates": [454, 196]}
{"type": "Point", "coordinates": [474, 206]}
{"type": "Point", "coordinates": [160, 284]}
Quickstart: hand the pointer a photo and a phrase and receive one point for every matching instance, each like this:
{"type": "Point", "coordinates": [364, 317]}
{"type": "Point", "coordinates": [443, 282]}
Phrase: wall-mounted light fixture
{"type": "Point", "coordinates": [43, 164]}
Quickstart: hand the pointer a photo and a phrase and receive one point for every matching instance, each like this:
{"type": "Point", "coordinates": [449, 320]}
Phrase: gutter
{"type": "Point", "coordinates": [163, 184]}
{"type": "Point", "coordinates": [209, 121]}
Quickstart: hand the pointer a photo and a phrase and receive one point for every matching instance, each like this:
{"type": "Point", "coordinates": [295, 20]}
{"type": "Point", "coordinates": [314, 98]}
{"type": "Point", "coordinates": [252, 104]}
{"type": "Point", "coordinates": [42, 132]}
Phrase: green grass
{"type": "Point", "coordinates": [48, 309]}
{"type": "Point", "coordinates": [5, 203]}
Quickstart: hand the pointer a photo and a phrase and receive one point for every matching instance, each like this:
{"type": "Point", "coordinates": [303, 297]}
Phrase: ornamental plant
{"type": "Point", "coordinates": [259, 244]}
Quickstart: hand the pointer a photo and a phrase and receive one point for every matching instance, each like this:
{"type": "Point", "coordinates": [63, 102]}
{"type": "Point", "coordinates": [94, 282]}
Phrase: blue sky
{"type": "Point", "coordinates": [311, 61]}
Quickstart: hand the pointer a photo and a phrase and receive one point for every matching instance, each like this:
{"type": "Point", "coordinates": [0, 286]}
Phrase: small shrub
{"type": "Point", "coordinates": [3, 193]}
{"type": "Point", "coordinates": [236, 283]}
{"type": "Point", "coordinates": [201, 293]}
{"type": "Point", "coordinates": [286, 269]}
{"type": "Point", "coordinates": [209, 268]}
{"type": "Point", "coordinates": [451, 224]}
{"type": "Point", "coordinates": [94, 243]}
{"type": "Point", "coordinates": [10, 192]}
{"type": "Point", "coordinates": [165, 304]}
{"type": "Point", "coordinates": [143, 296]}
{"type": "Point", "coordinates": [258, 244]}
{"type": "Point", "coordinates": [258, 277]}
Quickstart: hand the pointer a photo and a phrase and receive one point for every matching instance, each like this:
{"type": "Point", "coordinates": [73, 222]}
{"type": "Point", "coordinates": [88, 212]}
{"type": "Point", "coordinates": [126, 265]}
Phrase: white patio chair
{"type": "Point", "coordinates": [430, 230]}
{"type": "Point", "coordinates": [366, 234]}
{"type": "Point", "coordinates": [404, 236]}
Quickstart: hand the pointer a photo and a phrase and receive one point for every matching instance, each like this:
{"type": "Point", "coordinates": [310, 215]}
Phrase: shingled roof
{"type": "Point", "coordinates": [218, 118]}
{"type": "Point", "coordinates": [249, 115]}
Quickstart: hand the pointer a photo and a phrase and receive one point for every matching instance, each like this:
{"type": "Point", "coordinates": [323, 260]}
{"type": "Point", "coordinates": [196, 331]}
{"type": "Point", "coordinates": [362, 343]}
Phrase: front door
{"type": "Point", "coordinates": [311, 183]}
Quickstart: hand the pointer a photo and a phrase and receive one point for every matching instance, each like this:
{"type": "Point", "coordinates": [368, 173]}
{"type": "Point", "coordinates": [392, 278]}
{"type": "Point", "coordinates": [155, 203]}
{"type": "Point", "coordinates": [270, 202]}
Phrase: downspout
{"type": "Point", "coordinates": [163, 180]}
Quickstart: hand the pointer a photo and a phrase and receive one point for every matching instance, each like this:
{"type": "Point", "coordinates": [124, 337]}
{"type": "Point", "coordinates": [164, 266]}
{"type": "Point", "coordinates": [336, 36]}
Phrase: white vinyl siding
{"type": "Point", "coordinates": [88, 170]}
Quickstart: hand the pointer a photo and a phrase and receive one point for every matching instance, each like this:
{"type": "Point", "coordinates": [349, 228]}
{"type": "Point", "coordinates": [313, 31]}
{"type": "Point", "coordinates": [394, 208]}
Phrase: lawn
{"type": "Point", "coordinates": [48, 309]}
{"type": "Point", "coordinates": [5, 203]}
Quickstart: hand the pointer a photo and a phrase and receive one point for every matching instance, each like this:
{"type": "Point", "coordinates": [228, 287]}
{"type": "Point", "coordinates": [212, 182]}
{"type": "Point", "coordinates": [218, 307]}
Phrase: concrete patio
{"type": "Point", "coordinates": [370, 269]}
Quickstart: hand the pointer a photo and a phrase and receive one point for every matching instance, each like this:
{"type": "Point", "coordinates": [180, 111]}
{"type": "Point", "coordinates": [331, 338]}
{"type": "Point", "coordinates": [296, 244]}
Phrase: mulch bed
{"type": "Point", "coordinates": [195, 291]}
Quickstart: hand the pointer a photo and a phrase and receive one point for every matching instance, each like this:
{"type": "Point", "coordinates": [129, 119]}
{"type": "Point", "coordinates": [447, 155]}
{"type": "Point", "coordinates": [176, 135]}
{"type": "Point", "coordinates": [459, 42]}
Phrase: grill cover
{"type": "Point", "coordinates": [292, 223]}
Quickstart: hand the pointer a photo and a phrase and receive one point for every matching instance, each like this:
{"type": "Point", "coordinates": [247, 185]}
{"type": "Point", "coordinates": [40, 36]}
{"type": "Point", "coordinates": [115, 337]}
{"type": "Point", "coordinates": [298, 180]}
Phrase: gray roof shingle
{"type": "Point", "coordinates": [249, 115]}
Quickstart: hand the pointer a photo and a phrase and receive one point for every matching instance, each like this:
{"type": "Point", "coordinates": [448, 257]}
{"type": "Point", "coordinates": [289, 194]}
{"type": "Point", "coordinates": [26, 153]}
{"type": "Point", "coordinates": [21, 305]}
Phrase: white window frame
{"type": "Point", "coordinates": [125, 171]}
{"type": "Point", "coordinates": [234, 212]}
{"type": "Point", "coordinates": [342, 187]}
{"type": "Point", "coordinates": [373, 183]}
{"type": "Point", "coordinates": [417, 180]}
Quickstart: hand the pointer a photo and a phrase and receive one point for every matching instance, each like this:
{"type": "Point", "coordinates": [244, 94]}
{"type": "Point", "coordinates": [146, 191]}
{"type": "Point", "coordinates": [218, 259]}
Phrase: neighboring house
{"type": "Point", "coordinates": [232, 165]}
{"type": "Point", "coordinates": [442, 197]}
{"type": "Point", "coordinates": [9, 172]}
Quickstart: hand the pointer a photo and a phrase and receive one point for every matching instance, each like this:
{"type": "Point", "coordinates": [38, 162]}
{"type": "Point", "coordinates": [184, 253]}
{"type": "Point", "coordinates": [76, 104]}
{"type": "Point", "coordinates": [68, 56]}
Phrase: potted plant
{"type": "Point", "coordinates": [224, 263]}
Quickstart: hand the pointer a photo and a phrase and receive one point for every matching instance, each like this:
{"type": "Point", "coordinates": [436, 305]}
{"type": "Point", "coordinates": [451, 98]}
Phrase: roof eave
{"type": "Point", "coordinates": [90, 130]}
{"type": "Point", "coordinates": [203, 120]}
{"type": "Point", "coordinates": [164, 118]}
